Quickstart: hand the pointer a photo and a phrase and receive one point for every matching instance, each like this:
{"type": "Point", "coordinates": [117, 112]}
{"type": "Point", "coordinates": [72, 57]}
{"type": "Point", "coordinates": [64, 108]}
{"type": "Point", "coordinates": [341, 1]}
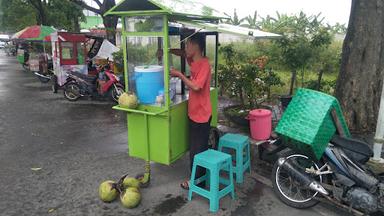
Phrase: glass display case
{"type": "Point", "coordinates": [158, 127]}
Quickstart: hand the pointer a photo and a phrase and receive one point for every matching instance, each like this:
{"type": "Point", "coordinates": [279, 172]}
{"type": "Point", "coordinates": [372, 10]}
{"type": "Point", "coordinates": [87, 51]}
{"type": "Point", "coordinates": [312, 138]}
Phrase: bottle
{"type": "Point", "coordinates": [160, 98]}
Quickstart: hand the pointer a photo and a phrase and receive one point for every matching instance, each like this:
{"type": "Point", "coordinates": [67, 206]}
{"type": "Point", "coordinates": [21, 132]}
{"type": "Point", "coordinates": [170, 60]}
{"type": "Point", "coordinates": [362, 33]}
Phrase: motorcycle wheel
{"type": "Point", "coordinates": [72, 92]}
{"type": "Point", "coordinates": [116, 92]}
{"type": "Point", "coordinates": [288, 190]}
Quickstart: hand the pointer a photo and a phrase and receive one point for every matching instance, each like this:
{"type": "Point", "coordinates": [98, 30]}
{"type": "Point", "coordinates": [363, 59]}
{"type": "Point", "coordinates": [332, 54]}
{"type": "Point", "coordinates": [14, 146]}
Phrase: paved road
{"type": "Point", "coordinates": [77, 146]}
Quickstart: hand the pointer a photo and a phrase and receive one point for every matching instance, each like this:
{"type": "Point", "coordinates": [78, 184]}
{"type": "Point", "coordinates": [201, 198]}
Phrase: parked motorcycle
{"type": "Point", "coordinates": [10, 49]}
{"type": "Point", "coordinates": [340, 176]}
{"type": "Point", "coordinates": [79, 85]}
{"type": "Point", "coordinates": [45, 72]}
{"type": "Point", "coordinates": [44, 78]}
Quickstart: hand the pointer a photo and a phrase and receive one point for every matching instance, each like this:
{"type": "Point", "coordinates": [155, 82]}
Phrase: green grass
{"type": "Point", "coordinates": [285, 77]}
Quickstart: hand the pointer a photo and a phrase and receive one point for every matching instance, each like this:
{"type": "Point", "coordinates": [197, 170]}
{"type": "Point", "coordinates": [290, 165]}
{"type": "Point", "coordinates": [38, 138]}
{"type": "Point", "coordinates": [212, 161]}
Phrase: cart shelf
{"type": "Point", "coordinates": [139, 111]}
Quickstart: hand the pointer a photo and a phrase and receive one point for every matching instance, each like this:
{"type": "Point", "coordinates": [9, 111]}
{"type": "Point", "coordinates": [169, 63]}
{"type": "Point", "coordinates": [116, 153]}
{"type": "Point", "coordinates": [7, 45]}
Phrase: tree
{"type": "Point", "coordinates": [360, 79]}
{"type": "Point", "coordinates": [234, 20]}
{"type": "Point", "coordinates": [16, 15]}
{"type": "Point", "coordinates": [338, 28]}
{"type": "Point", "coordinates": [110, 22]}
{"type": "Point", "coordinates": [40, 7]}
{"type": "Point", "coordinates": [65, 15]}
{"type": "Point", "coordinates": [302, 38]}
{"type": "Point", "coordinates": [251, 21]}
{"type": "Point", "coordinates": [21, 13]}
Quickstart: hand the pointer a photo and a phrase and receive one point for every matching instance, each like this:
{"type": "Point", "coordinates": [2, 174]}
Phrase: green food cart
{"type": "Point", "coordinates": [158, 127]}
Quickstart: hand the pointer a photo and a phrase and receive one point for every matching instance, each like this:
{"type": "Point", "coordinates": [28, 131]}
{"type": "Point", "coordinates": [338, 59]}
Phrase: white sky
{"type": "Point", "coordinates": [332, 10]}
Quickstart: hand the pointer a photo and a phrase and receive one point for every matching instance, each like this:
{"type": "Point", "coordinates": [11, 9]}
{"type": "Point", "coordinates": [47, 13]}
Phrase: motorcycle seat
{"type": "Point", "coordinates": [87, 78]}
{"type": "Point", "coordinates": [355, 149]}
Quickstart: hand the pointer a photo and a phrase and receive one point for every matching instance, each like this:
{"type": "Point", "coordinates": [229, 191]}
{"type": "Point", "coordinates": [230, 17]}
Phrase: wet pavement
{"type": "Point", "coordinates": [55, 153]}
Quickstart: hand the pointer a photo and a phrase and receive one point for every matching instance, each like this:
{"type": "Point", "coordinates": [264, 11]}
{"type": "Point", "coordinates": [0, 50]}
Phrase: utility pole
{"type": "Point", "coordinates": [379, 136]}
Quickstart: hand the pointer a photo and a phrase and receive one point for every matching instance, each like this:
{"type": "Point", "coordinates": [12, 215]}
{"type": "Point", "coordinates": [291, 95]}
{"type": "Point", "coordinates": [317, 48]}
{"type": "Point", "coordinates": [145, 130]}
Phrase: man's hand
{"type": "Point", "coordinates": [175, 73]}
{"type": "Point", "coordinates": [188, 82]}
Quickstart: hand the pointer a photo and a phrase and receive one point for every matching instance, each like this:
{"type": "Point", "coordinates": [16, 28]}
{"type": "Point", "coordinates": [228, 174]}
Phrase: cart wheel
{"type": "Point", "coordinates": [144, 179]}
{"type": "Point", "coordinates": [213, 138]}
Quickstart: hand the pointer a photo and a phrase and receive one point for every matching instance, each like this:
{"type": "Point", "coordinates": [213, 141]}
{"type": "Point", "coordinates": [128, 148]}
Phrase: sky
{"type": "Point", "coordinates": [334, 11]}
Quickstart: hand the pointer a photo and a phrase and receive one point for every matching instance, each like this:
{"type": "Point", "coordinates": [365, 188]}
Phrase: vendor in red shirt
{"type": "Point", "coordinates": [199, 103]}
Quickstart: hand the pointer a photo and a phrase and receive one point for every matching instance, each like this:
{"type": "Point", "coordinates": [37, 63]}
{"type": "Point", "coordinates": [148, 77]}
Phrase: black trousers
{"type": "Point", "coordinates": [198, 142]}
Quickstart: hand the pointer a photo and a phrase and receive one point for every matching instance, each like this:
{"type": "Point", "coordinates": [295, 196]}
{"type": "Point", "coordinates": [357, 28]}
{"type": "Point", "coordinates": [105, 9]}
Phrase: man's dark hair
{"type": "Point", "coordinates": [198, 39]}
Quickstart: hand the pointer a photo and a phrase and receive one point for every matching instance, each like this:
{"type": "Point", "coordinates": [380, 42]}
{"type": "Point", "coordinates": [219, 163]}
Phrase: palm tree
{"type": "Point", "coordinates": [234, 20]}
{"type": "Point", "coordinates": [251, 21]}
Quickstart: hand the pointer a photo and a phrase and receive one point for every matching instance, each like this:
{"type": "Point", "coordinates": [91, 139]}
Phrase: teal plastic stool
{"type": "Point", "coordinates": [213, 161]}
{"type": "Point", "coordinates": [241, 145]}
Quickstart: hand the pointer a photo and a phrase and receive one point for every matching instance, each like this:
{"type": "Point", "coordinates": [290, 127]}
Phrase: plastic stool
{"type": "Point", "coordinates": [213, 161]}
{"type": "Point", "coordinates": [239, 143]}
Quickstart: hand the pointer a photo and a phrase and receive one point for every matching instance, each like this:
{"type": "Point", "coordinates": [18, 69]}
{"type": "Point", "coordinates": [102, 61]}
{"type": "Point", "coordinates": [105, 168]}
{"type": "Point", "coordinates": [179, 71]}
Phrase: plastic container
{"type": "Point", "coordinates": [160, 98]}
{"type": "Point", "coordinates": [34, 65]}
{"type": "Point", "coordinates": [149, 81]}
{"type": "Point", "coordinates": [172, 88]}
{"type": "Point", "coordinates": [260, 123]}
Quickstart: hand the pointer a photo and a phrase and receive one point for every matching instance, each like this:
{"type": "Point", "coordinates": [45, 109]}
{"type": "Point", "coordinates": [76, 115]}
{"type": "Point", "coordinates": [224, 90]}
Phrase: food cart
{"type": "Point", "coordinates": [158, 127]}
{"type": "Point", "coordinates": [31, 51]}
{"type": "Point", "coordinates": [72, 52]}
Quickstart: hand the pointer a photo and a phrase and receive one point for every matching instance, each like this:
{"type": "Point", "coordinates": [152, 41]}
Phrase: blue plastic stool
{"type": "Point", "coordinates": [213, 161]}
{"type": "Point", "coordinates": [239, 143]}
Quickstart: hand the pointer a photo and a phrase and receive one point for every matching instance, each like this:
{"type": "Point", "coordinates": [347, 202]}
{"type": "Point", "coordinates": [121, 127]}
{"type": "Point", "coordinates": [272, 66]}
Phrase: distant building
{"type": "Point", "coordinates": [91, 22]}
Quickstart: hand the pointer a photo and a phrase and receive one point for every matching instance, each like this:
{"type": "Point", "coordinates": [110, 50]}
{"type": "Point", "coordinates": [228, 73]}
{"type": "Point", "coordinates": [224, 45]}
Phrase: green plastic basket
{"type": "Point", "coordinates": [307, 125]}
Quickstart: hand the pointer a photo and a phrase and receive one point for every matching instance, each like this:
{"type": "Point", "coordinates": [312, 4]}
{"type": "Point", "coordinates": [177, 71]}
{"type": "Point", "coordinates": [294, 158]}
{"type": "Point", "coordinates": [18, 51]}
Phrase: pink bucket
{"type": "Point", "coordinates": [260, 122]}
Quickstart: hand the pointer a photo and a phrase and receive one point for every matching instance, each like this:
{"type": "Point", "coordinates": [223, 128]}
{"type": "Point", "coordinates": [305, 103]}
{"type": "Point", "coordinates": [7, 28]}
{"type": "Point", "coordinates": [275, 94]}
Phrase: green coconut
{"type": "Point", "coordinates": [133, 189]}
{"type": "Point", "coordinates": [130, 198]}
{"type": "Point", "coordinates": [107, 191]}
{"type": "Point", "coordinates": [128, 100]}
{"type": "Point", "coordinates": [131, 182]}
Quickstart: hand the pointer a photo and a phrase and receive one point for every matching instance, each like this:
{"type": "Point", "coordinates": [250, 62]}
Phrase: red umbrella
{"type": "Point", "coordinates": [35, 33]}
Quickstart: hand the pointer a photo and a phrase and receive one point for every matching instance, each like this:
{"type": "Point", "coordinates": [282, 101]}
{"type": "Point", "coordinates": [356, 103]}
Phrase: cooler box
{"type": "Point", "coordinates": [149, 81]}
{"type": "Point", "coordinates": [307, 125]}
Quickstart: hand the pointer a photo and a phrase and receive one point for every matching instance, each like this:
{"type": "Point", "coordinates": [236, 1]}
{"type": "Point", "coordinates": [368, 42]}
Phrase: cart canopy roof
{"type": "Point", "coordinates": [230, 29]}
{"type": "Point", "coordinates": [178, 9]}
{"type": "Point", "coordinates": [68, 37]}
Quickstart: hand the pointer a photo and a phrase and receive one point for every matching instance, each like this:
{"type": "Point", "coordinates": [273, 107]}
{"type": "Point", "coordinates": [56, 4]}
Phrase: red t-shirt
{"type": "Point", "coordinates": [199, 103]}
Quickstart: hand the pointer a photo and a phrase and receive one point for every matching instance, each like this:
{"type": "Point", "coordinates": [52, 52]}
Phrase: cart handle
{"type": "Point", "coordinates": [139, 111]}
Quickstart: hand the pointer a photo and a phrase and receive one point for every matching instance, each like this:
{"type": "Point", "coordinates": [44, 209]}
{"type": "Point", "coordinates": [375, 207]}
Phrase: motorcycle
{"type": "Point", "coordinates": [45, 75]}
{"type": "Point", "coordinates": [78, 85]}
{"type": "Point", "coordinates": [341, 176]}
{"type": "Point", "coordinates": [10, 50]}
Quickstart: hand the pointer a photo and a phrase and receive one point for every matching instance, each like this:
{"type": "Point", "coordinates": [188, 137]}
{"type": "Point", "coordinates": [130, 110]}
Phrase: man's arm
{"type": "Point", "coordinates": [177, 52]}
{"type": "Point", "coordinates": [185, 79]}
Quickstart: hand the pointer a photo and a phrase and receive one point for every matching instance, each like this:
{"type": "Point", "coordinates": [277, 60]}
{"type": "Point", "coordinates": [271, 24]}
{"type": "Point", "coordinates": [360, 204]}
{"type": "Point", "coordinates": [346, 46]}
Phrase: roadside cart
{"type": "Point", "coordinates": [72, 52]}
{"type": "Point", "coordinates": [158, 127]}
{"type": "Point", "coordinates": [32, 55]}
